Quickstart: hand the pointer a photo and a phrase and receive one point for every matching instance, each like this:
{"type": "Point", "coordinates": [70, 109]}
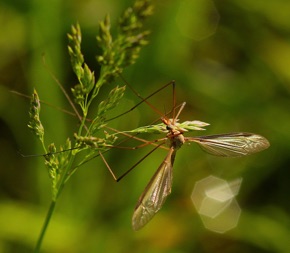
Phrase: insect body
{"type": "Point", "coordinates": [159, 187]}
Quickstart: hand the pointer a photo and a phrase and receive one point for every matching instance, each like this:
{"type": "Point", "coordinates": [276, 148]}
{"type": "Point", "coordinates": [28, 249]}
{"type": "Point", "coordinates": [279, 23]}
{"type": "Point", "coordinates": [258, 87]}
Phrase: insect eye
{"type": "Point", "coordinates": [169, 127]}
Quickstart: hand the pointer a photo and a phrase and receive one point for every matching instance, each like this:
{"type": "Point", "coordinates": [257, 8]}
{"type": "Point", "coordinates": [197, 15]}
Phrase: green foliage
{"type": "Point", "coordinates": [124, 50]}
{"type": "Point", "coordinates": [56, 164]}
{"type": "Point", "coordinates": [85, 76]}
{"type": "Point", "coordinates": [117, 54]}
{"type": "Point", "coordinates": [95, 142]}
{"type": "Point", "coordinates": [34, 123]}
{"type": "Point", "coordinates": [113, 99]}
{"type": "Point", "coordinates": [161, 128]}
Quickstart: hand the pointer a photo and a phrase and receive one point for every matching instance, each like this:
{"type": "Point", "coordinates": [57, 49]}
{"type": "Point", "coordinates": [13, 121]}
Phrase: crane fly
{"type": "Point", "coordinates": [159, 187]}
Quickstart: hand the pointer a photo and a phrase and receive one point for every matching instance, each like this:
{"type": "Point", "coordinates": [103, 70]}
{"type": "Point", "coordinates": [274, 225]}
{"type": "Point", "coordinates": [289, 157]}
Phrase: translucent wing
{"type": "Point", "coordinates": [232, 144]}
{"type": "Point", "coordinates": [155, 193]}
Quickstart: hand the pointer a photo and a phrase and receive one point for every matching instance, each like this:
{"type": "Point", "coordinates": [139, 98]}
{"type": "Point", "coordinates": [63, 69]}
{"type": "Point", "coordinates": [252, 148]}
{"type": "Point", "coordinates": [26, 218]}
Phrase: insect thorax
{"type": "Point", "coordinates": [177, 140]}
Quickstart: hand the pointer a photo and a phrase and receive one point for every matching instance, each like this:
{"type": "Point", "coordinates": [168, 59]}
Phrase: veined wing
{"type": "Point", "coordinates": [231, 144]}
{"type": "Point", "coordinates": [155, 193]}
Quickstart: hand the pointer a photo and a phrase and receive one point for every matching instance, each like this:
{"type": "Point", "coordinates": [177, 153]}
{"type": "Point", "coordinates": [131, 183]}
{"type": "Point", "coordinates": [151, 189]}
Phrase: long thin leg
{"type": "Point", "coordinates": [135, 138]}
{"type": "Point", "coordinates": [173, 101]}
{"type": "Point", "coordinates": [129, 170]}
{"type": "Point", "coordinates": [143, 99]}
{"type": "Point", "coordinates": [129, 148]}
{"type": "Point", "coordinates": [108, 166]}
{"type": "Point", "coordinates": [142, 145]}
{"type": "Point", "coordinates": [179, 111]}
{"type": "Point", "coordinates": [63, 91]}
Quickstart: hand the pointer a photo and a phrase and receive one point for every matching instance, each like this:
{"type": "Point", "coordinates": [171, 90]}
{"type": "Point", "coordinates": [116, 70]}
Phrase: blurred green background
{"type": "Point", "coordinates": [230, 60]}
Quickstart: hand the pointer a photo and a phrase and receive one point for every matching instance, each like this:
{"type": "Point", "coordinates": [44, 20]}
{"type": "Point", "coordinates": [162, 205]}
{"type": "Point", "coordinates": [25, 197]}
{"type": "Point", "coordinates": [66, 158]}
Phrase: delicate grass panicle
{"type": "Point", "coordinates": [185, 126]}
{"type": "Point", "coordinates": [118, 52]}
{"type": "Point", "coordinates": [34, 120]}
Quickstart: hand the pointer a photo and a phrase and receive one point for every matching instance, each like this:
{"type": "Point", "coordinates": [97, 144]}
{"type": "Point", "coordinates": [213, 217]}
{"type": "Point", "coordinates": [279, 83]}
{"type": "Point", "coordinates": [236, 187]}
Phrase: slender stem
{"type": "Point", "coordinates": [83, 124]}
{"type": "Point", "coordinates": [52, 206]}
{"type": "Point", "coordinates": [45, 226]}
{"type": "Point", "coordinates": [43, 146]}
